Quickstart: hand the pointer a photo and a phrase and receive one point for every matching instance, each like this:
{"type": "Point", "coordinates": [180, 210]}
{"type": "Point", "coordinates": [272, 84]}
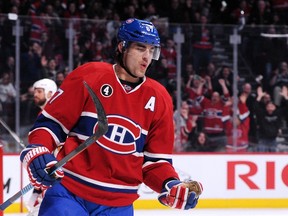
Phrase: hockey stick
{"type": "Point", "coordinates": [101, 130]}
{"type": "Point", "coordinates": [13, 134]}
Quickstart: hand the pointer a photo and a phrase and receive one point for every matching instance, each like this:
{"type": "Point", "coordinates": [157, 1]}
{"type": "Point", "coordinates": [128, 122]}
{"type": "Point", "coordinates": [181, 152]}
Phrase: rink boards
{"type": "Point", "coordinates": [229, 180]}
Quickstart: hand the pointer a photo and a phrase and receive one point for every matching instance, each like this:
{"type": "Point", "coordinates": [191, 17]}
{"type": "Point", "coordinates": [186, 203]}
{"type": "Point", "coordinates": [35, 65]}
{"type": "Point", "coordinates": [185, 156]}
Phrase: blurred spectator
{"type": "Point", "coordinates": [7, 41]}
{"type": "Point", "coordinates": [278, 80]}
{"type": "Point", "coordinates": [189, 12]}
{"type": "Point", "coordinates": [59, 10]}
{"type": "Point", "coordinates": [187, 123]}
{"type": "Point", "coordinates": [130, 11]}
{"type": "Point", "coordinates": [280, 7]}
{"type": "Point", "coordinates": [77, 55]}
{"type": "Point", "coordinates": [250, 103]}
{"type": "Point", "coordinates": [244, 9]}
{"type": "Point", "coordinates": [7, 90]}
{"type": "Point", "coordinates": [199, 142]}
{"type": "Point", "coordinates": [195, 86]}
{"type": "Point", "coordinates": [218, 11]}
{"type": "Point", "coordinates": [95, 10]}
{"type": "Point", "coordinates": [212, 71]}
{"type": "Point", "coordinates": [188, 71]}
{"type": "Point", "coordinates": [195, 83]}
{"type": "Point", "coordinates": [202, 43]}
{"type": "Point", "coordinates": [86, 50]}
{"type": "Point", "coordinates": [31, 65]}
{"type": "Point", "coordinates": [159, 71]}
{"type": "Point", "coordinates": [113, 25]}
{"type": "Point", "coordinates": [268, 52]}
{"type": "Point", "coordinates": [215, 114]}
{"type": "Point", "coordinates": [51, 40]}
{"type": "Point", "coordinates": [269, 121]}
{"type": "Point", "coordinates": [99, 53]}
{"type": "Point", "coordinates": [175, 12]}
{"type": "Point", "coordinates": [261, 13]}
{"type": "Point", "coordinates": [50, 69]}
{"type": "Point", "coordinates": [52, 17]}
{"type": "Point", "coordinates": [9, 66]}
{"type": "Point", "coordinates": [150, 10]}
{"type": "Point", "coordinates": [242, 127]}
{"type": "Point", "coordinates": [72, 15]}
{"type": "Point", "coordinates": [71, 10]}
{"type": "Point", "coordinates": [266, 98]}
{"type": "Point", "coordinates": [168, 52]}
{"type": "Point", "coordinates": [7, 99]}
{"type": "Point", "coordinates": [60, 76]}
{"type": "Point", "coordinates": [226, 74]}
{"type": "Point", "coordinates": [202, 8]}
{"type": "Point", "coordinates": [28, 109]}
{"type": "Point", "coordinates": [38, 27]}
{"type": "Point", "coordinates": [79, 4]}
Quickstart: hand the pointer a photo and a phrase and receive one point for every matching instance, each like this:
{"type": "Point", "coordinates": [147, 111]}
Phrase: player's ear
{"type": "Point", "coordinates": [120, 47]}
{"type": "Point", "coordinates": [49, 94]}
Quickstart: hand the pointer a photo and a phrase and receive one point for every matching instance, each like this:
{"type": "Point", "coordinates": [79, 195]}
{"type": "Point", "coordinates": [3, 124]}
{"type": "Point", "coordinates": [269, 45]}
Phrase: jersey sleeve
{"type": "Point", "coordinates": [158, 152]}
{"type": "Point", "coordinates": [62, 111]}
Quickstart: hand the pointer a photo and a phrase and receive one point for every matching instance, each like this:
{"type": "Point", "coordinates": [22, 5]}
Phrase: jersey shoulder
{"type": "Point", "coordinates": [156, 86]}
{"type": "Point", "coordinates": [92, 68]}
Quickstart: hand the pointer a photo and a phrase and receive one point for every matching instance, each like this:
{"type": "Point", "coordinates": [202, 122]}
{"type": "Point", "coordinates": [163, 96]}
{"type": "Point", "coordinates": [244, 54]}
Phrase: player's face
{"type": "Point", "coordinates": [138, 57]}
{"type": "Point", "coordinates": [39, 97]}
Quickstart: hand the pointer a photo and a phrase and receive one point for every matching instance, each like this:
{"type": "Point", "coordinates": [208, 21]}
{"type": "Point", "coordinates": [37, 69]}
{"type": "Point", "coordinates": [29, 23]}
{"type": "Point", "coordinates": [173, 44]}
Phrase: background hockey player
{"type": "Point", "coordinates": [104, 179]}
{"type": "Point", "coordinates": [43, 91]}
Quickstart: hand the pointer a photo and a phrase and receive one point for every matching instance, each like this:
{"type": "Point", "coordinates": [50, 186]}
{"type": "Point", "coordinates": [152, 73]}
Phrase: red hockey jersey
{"type": "Point", "coordinates": [242, 130]}
{"type": "Point", "coordinates": [215, 116]}
{"type": "Point", "coordinates": [137, 147]}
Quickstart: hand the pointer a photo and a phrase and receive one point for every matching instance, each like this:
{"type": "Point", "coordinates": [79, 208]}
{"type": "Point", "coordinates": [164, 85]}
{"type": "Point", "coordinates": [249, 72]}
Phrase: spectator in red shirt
{"type": "Point", "coordinates": [215, 114]}
{"type": "Point", "coordinates": [242, 129]}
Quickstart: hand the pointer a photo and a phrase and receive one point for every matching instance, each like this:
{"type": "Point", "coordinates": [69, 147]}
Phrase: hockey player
{"type": "Point", "coordinates": [44, 89]}
{"type": "Point", "coordinates": [104, 179]}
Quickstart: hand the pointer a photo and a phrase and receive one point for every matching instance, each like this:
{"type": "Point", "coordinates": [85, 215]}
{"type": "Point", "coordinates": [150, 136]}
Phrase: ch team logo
{"type": "Point", "coordinates": [121, 136]}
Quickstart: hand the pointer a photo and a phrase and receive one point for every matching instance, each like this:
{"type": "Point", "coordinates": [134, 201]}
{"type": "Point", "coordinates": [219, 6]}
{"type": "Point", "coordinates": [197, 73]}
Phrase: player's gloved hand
{"type": "Point", "coordinates": [36, 159]}
{"type": "Point", "coordinates": [176, 194]}
{"type": "Point", "coordinates": [33, 204]}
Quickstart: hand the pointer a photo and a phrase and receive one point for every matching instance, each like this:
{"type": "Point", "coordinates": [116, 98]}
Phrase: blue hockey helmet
{"type": "Point", "coordinates": [142, 31]}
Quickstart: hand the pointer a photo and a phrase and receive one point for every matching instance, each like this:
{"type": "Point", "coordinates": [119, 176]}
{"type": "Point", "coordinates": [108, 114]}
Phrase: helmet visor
{"type": "Point", "coordinates": [156, 53]}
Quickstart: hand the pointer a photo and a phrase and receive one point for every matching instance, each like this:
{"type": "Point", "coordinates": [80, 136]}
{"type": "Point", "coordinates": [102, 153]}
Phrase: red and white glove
{"type": "Point", "coordinates": [33, 204]}
{"type": "Point", "coordinates": [36, 159]}
{"type": "Point", "coordinates": [180, 195]}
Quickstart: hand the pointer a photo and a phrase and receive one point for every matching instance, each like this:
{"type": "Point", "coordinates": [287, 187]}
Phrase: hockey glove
{"type": "Point", "coordinates": [178, 194]}
{"type": "Point", "coordinates": [37, 159]}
